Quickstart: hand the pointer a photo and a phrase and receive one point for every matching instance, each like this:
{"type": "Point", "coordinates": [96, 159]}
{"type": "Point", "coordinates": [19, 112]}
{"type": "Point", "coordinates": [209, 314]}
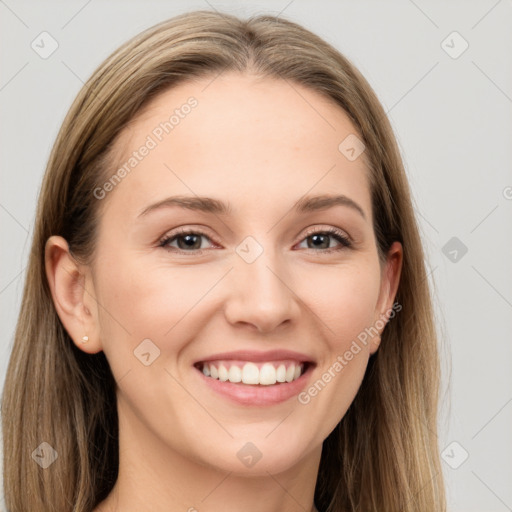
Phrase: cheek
{"type": "Point", "coordinates": [151, 300]}
{"type": "Point", "coordinates": [344, 301]}
{"type": "Point", "coordinates": [155, 298]}
{"type": "Point", "coordinates": [343, 298]}
{"type": "Point", "coordinates": [140, 301]}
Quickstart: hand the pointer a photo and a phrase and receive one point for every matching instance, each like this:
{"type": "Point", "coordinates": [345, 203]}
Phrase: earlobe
{"type": "Point", "coordinates": [73, 302]}
{"type": "Point", "coordinates": [375, 344]}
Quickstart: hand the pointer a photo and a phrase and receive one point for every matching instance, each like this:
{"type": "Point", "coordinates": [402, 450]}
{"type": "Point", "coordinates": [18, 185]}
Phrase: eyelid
{"type": "Point", "coordinates": [185, 230]}
{"type": "Point", "coordinates": [326, 229]}
{"type": "Point", "coordinates": [342, 237]}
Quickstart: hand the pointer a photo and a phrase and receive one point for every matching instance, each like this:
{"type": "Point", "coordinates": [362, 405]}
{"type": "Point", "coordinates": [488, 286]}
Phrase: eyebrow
{"type": "Point", "coordinates": [210, 205]}
{"type": "Point", "coordinates": [323, 202]}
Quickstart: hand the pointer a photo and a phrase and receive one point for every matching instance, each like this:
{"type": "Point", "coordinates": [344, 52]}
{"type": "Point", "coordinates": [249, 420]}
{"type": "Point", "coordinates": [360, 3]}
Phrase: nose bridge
{"type": "Point", "coordinates": [259, 292]}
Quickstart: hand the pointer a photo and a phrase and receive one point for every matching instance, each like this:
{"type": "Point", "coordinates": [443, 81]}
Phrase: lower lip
{"type": "Point", "coordinates": [257, 395]}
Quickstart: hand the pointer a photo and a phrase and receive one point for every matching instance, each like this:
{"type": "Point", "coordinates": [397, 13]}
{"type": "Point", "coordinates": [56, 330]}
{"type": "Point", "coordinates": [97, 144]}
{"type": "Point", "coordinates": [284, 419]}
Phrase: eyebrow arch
{"type": "Point", "coordinates": [323, 202]}
{"type": "Point", "coordinates": [210, 205]}
{"type": "Point", "coordinates": [202, 204]}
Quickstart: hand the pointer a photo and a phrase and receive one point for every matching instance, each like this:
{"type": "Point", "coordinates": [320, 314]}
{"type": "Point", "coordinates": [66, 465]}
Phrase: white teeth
{"type": "Point", "coordinates": [235, 374]}
{"type": "Point", "coordinates": [250, 374]}
{"type": "Point", "coordinates": [281, 373]}
{"type": "Point", "coordinates": [223, 373]}
{"type": "Point", "coordinates": [267, 375]}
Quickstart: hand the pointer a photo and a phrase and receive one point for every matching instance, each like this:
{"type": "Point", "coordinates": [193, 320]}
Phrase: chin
{"type": "Point", "coordinates": [256, 455]}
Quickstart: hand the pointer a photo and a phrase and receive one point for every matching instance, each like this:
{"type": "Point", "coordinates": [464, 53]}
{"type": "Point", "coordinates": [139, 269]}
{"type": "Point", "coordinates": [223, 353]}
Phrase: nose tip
{"type": "Point", "coordinates": [259, 296]}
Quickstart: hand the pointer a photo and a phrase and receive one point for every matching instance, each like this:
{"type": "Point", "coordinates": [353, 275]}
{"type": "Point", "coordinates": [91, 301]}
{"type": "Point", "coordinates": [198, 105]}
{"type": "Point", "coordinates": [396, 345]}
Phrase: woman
{"type": "Point", "coordinates": [226, 305]}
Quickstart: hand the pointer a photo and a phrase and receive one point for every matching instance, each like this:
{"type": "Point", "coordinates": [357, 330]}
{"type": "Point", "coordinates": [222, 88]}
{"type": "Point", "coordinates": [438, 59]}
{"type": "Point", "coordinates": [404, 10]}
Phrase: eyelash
{"type": "Point", "coordinates": [344, 241]}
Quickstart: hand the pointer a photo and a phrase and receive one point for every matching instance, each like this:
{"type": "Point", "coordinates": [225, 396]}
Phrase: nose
{"type": "Point", "coordinates": [261, 294]}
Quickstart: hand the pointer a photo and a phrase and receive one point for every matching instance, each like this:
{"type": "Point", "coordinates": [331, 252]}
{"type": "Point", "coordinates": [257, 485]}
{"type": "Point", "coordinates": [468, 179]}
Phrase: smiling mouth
{"type": "Point", "coordinates": [253, 373]}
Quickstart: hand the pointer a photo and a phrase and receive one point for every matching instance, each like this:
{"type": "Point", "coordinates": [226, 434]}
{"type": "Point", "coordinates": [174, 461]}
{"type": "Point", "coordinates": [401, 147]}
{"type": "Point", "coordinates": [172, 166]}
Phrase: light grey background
{"type": "Point", "coordinates": [452, 118]}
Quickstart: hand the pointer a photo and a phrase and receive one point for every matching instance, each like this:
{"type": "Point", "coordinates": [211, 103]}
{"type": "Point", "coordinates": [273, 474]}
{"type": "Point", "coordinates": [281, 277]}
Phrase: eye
{"type": "Point", "coordinates": [186, 240]}
{"type": "Point", "coordinates": [320, 239]}
{"type": "Point", "coordinates": [189, 241]}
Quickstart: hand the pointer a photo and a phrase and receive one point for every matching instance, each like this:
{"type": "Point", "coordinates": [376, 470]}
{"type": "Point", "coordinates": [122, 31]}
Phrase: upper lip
{"type": "Point", "coordinates": [255, 356]}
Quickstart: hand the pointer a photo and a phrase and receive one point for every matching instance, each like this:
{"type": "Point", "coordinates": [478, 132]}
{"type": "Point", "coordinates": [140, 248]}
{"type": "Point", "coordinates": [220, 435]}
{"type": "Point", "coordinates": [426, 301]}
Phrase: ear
{"type": "Point", "coordinates": [73, 295]}
{"type": "Point", "coordinates": [390, 278]}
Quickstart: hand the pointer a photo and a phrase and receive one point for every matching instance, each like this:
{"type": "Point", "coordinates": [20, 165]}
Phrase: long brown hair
{"type": "Point", "coordinates": [383, 455]}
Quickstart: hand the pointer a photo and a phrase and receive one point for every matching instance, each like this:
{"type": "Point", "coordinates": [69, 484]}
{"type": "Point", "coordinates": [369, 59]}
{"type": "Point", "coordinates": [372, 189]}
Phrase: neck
{"type": "Point", "coordinates": [154, 477]}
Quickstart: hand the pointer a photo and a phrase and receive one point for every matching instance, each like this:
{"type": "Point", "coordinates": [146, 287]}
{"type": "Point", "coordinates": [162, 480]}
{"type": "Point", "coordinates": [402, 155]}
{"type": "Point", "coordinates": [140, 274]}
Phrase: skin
{"type": "Point", "coordinates": [261, 146]}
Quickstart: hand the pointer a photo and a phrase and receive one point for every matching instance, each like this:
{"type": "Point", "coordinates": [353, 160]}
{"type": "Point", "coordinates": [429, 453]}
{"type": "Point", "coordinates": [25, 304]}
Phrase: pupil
{"type": "Point", "coordinates": [317, 237]}
{"type": "Point", "coordinates": [187, 239]}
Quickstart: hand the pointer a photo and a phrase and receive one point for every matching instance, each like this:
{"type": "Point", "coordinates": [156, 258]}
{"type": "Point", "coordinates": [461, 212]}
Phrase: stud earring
{"type": "Point", "coordinates": [85, 339]}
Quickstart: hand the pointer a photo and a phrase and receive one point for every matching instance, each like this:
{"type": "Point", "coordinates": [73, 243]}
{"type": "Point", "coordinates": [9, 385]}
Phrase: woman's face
{"type": "Point", "coordinates": [251, 290]}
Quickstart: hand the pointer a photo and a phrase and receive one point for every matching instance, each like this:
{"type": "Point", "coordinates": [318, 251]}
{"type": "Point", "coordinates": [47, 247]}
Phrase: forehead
{"type": "Point", "coordinates": [241, 136]}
